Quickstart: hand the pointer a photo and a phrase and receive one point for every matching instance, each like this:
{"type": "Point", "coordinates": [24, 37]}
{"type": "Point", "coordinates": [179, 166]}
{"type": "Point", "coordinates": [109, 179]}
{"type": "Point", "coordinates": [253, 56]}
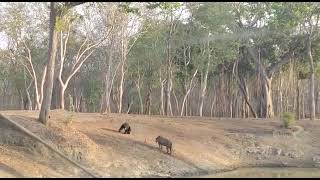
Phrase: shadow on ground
{"type": "Point", "coordinates": [10, 170]}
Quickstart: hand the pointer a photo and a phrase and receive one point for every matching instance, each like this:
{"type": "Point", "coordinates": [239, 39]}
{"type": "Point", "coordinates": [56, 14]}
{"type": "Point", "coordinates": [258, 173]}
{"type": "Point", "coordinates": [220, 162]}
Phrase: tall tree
{"type": "Point", "coordinates": [53, 41]}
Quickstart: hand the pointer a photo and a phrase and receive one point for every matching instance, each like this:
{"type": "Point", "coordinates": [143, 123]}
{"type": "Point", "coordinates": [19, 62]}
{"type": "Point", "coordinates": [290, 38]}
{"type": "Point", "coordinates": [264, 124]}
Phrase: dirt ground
{"type": "Point", "coordinates": [200, 145]}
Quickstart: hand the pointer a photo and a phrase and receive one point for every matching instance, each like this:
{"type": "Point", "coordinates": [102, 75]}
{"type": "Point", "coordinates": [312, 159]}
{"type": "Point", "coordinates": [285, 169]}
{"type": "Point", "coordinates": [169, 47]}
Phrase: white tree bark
{"type": "Point", "coordinates": [188, 92]}
{"type": "Point", "coordinates": [162, 83]}
{"type": "Point", "coordinates": [138, 85]}
{"type": "Point", "coordinates": [34, 76]}
{"type": "Point", "coordinates": [85, 51]}
{"type": "Point", "coordinates": [203, 89]}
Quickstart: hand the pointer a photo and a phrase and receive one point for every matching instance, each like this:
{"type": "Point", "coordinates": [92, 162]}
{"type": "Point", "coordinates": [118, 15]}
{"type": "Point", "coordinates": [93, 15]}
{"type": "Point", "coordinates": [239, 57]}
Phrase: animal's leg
{"type": "Point", "coordinates": [122, 127]}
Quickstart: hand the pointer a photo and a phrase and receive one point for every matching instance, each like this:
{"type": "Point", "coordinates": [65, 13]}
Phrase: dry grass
{"type": "Point", "coordinates": [198, 143]}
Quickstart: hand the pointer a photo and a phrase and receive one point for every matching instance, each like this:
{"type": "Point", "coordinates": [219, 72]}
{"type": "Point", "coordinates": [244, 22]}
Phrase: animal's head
{"type": "Point", "coordinates": [158, 138]}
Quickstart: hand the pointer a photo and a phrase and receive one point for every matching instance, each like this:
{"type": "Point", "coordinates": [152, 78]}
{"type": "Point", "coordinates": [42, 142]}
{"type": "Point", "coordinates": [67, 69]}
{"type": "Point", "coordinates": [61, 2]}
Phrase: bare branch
{"type": "Point", "coordinates": [85, 41]}
{"type": "Point", "coordinates": [78, 57]}
{"type": "Point", "coordinates": [77, 68]}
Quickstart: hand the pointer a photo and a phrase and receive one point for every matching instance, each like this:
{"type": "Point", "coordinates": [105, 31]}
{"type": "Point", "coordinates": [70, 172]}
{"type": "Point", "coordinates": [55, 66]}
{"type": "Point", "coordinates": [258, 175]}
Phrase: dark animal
{"type": "Point", "coordinates": [164, 142]}
{"type": "Point", "coordinates": [126, 127]}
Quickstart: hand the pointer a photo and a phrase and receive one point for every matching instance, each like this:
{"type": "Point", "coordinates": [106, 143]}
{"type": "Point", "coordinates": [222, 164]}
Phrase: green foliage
{"type": "Point", "coordinates": [216, 32]}
{"type": "Point", "coordinates": [15, 20]}
{"type": "Point", "coordinates": [60, 24]}
{"type": "Point", "coordinates": [288, 119]}
{"type": "Point", "coordinates": [214, 16]}
{"type": "Point", "coordinates": [286, 15]}
{"type": "Point", "coordinates": [125, 7]}
{"type": "Point", "coordinates": [164, 5]}
{"type": "Point", "coordinates": [69, 18]}
{"type": "Point", "coordinates": [170, 5]}
{"type": "Point", "coordinates": [148, 54]}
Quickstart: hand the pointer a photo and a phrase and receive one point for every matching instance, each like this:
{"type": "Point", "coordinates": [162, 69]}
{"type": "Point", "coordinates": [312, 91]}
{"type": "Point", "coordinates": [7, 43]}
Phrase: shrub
{"type": "Point", "coordinates": [69, 119]}
{"type": "Point", "coordinates": [288, 119]}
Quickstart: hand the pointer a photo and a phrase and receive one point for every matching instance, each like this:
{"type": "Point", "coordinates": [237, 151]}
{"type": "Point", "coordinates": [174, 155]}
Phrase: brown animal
{"type": "Point", "coordinates": [164, 142]}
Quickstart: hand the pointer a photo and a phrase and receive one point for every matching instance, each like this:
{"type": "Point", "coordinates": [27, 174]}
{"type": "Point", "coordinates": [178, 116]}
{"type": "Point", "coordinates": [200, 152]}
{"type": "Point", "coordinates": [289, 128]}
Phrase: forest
{"type": "Point", "coordinates": [209, 59]}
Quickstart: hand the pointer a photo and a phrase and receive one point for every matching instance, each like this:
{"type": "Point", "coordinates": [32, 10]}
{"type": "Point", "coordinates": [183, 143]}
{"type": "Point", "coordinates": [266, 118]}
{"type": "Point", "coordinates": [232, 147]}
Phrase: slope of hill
{"type": "Point", "coordinates": [200, 145]}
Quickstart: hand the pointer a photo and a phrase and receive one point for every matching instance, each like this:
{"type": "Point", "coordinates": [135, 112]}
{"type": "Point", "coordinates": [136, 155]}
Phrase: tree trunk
{"type": "Point", "coordinates": [148, 102]}
{"type": "Point", "coordinates": [212, 106]}
{"type": "Point", "coordinates": [21, 100]}
{"type": "Point", "coordinates": [123, 61]}
{"type": "Point", "coordinates": [311, 86]}
{"type": "Point", "coordinates": [140, 98]}
{"type": "Point", "coordinates": [162, 108]}
{"type": "Point", "coordinates": [267, 109]}
{"type": "Point", "coordinates": [187, 94]}
{"type": "Point", "coordinates": [169, 97]}
{"type": "Point", "coordinates": [177, 102]}
{"type": "Point", "coordinates": [236, 109]}
{"type": "Point", "coordinates": [79, 100]}
{"type": "Point", "coordinates": [168, 80]}
{"type": "Point", "coordinates": [266, 80]}
{"type": "Point", "coordinates": [121, 88]}
{"type": "Point", "coordinates": [29, 107]}
{"type": "Point", "coordinates": [35, 79]}
{"type": "Point", "coordinates": [287, 99]}
{"type": "Point", "coordinates": [203, 88]}
{"type": "Point", "coordinates": [242, 83]}
{"type": "Point", "coordinates": [62, 58]}
{"type": "Point", "coordinates": [62, 90]}
{"type": "Point", "coordinates": [42, 84]}
{"type": "Point", "coordinates": [129, 107]}
{"type": "Point", "coordinates": [28, 103]}
{"type": "Point", "coordinates": [231, 106]}
{"type": "Point", "coordinates": [139, 90]}
{"type": "Point", "coordinates": [280, 96]}
{"type": "Point", "coordinates": [108, 84]}
{"type": "Point", "coordinates": [243, 88]}
{"type": "Point", "coordinates": [204, 79]}
{"type": "Point", "coordinates": [316, 100]}
{"type": "Point", "coordinates": [167, 92]}
{"type": "Point", "coordinates": [298, 100]}
{"type": "Point", "coordinates": [45, 106]}
{"type": "Point", "coordinates": [303, 105]}
{"type": "Point", "coordinates": [55, 95]}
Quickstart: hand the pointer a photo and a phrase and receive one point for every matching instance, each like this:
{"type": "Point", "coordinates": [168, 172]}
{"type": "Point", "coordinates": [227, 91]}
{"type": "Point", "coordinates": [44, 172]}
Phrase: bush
{"type": "Point", "coordinates": [288, 119]}
{"type": "Point", "coordinates": [69, 119]}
